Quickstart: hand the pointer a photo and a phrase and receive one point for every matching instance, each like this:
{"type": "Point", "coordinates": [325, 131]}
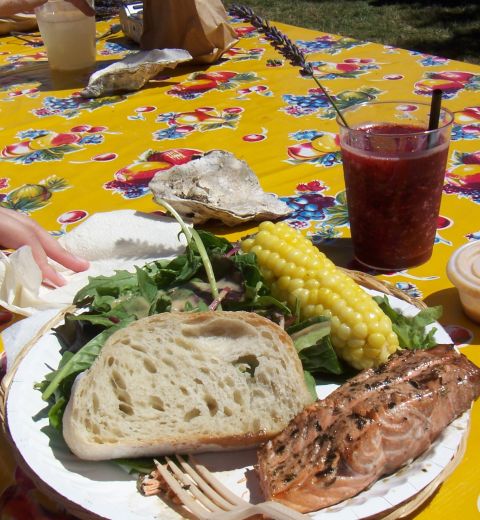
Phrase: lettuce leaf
{"type": "Point", "coordinates": [411, 331]}
{"type": "Point", "coordinates": [311, 384]}
{"type": "Point", "coordinates": [57, 385]}
{"type": "Point", "coordinates": [321, 358]}
{"type": "Point", "coordinates": [312, 340]}
{"type": "Point", "coordinates": [73, 364]}
{"type": "Point", "coordinates": [140, 466]}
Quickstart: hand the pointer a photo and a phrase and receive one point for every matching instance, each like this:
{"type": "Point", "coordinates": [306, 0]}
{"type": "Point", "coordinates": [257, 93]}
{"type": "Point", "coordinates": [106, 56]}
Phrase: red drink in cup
{"type": "Point", "coordinates": [394, 172]}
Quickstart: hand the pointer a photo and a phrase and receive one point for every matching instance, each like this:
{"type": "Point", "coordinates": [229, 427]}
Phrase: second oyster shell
{"type": "Point", "coordinates": [133, 71]}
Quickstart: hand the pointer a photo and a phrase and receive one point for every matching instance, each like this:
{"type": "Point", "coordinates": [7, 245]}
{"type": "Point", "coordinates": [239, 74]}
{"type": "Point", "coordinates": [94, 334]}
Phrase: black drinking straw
{"type": "Point", "coordinates": [434, 119]}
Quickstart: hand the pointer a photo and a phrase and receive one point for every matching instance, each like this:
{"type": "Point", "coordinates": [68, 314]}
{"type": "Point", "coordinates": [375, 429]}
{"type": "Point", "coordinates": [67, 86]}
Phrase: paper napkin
{"type": "Point", "coordinates": [110, 241]}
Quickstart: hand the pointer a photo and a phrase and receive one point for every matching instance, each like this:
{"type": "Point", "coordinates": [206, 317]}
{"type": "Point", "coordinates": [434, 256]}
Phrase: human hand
{"type": "Point", "coordinates": [84, 6]}
{"type": "Point", "coordinates": [10, 7]}
{"type": "Point", "coordinates": [18, 230]}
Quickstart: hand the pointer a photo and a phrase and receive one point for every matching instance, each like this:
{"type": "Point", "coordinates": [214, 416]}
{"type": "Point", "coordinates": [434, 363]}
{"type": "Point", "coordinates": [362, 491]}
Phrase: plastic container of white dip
{"type": "Point", "coordinates": [463, 270]}
{"type": "Point", "coordinates": [68, 34]}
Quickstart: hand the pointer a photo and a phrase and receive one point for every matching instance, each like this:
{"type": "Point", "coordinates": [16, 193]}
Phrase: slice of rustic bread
{"type": "Point", "coordinates": [186, 382]}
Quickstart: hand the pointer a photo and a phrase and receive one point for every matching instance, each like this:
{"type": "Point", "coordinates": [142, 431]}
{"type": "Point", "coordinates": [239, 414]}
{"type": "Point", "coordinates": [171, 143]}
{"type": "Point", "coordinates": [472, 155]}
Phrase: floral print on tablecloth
{"type": "Point", "coordinates": [63, 158]}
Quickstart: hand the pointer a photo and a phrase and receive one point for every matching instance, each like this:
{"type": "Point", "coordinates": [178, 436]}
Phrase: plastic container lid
{"type": "Point", "coordinates": [463, 270]}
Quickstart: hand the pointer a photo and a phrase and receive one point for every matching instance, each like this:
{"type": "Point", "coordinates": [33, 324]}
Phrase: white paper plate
{"type": "Point", "coordinates": [104, 489]}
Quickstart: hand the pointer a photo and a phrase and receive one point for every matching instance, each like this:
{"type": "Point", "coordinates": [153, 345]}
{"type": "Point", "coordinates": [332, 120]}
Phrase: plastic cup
{"type": "Point", "coordinates": [394, 170]}
{"type": "Point", "coordinates": [463, 270]}
{"type": "Point", "coordinates": [68, 34]}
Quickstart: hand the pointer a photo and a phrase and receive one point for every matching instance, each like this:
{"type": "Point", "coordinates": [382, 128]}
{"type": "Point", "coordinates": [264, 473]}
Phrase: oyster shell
{"type": "Point", "coordinates": [133, 72]}
{"type": "Point", "coordinates": [217, 186]}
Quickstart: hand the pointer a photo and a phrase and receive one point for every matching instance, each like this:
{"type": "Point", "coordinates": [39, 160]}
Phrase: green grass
{"type": "Point", "coordinates": [448, 28]}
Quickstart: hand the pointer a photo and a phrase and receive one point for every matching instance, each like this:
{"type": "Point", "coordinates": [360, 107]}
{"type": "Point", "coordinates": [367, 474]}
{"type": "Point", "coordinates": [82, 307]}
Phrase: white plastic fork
{"type": "Point", "coordinates": [208, 499]}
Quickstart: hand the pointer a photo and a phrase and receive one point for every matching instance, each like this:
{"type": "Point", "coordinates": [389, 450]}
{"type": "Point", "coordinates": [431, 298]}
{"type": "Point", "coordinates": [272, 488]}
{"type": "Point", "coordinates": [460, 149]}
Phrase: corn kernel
{"type": "Point", "coordinates": [313, 296]}
{"type": "Point", "coordinates": [309, 311]}
{"type": "Point", "coordinates": [293, 255]}
{"type": "Point", "coordinates": [295, 283]}
{"type": "Point", "coordinates": [268, 275]}
{"type": "Point", "coordinates": [267, 226]}
{"type": "Point", "coordinates": [284, 282]}
{"type": "Point", "coordinates": [279, 267]}
{"type": "Point", "coordinates": [301, 272]}
{"type": "Point", "coordinates": [338, 306]}
{"type": "Point", "coordinates": [290, 269]}
{"type": "Point", "coordinates": [344, 332]}
{"type": "Point", "coordinates": [360, 330]}
{"type": "Point", "coordinates": [385, 326]}
{"type": "Point", "coordinates": [263, 257]}
{"type": "Point", "coordinates": [265, 239]}
{"type": "Point", "coordinates": [312, 283]}
{"type": "Point", "coordinates": [356, 343]}
{"type": "Point", "coordinates": [376, 340]}
{"type": "Point", "coordinates": [354, 355]}
{"type": "Point", "coordinates": [335, 323]}
{"type": "Point", "coordinates": [302, 296]}
{"type": "Point", "coordinates": [247, 244]}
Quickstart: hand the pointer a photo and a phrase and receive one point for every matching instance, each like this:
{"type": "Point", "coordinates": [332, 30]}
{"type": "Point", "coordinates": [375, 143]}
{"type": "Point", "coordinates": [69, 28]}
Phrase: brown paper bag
{"type": "Point", "coordinates": [198, 26]}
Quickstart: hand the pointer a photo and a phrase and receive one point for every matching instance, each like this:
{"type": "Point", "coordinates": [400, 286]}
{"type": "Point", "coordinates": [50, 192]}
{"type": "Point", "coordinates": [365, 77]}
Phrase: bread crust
{"type": "Point", "coordinates": [84, 429]}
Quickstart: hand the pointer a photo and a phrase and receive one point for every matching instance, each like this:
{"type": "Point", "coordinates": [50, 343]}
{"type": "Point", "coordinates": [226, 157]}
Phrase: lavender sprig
{"type": "Point", "coordinates": [285, 46]}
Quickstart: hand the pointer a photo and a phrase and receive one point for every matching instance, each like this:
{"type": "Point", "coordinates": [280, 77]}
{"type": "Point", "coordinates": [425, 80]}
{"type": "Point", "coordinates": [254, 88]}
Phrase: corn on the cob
{"type": "Point", "coordinates": [298, 273]}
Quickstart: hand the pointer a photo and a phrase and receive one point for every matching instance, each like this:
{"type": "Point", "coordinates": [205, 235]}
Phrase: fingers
{"type": "Point", "coordinates": [41, 259]}
{"type": "Point", "coordinates": [17, 230]}
{"type": "Point", "coordinates": [83, 6]}
{"type": "Point", "coordinates": [15, 233]}
{"type": "Point", "coordinates": [11, 7]}
{"type": "Point", "coordinates": [56, 252]}
{"type": "Point", "coordinates": [13, 229]}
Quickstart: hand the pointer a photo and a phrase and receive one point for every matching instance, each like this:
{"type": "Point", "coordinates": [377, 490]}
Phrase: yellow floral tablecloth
{"type": "Point", "coordinates": [63, 158]}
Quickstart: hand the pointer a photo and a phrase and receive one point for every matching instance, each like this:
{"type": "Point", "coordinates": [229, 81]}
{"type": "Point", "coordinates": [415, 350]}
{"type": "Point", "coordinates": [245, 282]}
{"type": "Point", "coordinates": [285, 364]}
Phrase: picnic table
{"type": "Point", "coordinates": [64, 158]}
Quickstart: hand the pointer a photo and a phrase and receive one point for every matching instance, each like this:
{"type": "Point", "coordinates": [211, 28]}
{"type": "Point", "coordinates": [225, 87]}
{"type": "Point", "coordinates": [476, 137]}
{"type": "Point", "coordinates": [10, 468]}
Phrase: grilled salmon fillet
{"type": "Point", "coordinates": [370, 426]}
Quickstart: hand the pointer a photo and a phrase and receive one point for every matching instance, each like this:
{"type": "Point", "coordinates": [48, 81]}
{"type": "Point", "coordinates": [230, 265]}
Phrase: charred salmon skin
{"type": "Point", "coordinates": [370, 426]}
